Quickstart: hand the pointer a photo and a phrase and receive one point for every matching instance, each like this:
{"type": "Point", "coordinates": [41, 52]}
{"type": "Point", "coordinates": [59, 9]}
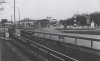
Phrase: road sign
{"type": "Point", "coordinates": [3, 20]}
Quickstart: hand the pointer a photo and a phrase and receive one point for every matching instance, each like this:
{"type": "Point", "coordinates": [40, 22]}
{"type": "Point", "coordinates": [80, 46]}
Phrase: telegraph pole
{"type": "Point", "coordinates": [19, 14]}
{"type": "Point", "coordinates": [11, 19]}
{"type": "Point", "coordinates": [14, 13]}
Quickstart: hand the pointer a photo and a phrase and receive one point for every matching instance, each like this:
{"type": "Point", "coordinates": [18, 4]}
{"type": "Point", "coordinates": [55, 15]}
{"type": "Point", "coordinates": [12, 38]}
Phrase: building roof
{"type": "Point", "coordinates": [28, 20]}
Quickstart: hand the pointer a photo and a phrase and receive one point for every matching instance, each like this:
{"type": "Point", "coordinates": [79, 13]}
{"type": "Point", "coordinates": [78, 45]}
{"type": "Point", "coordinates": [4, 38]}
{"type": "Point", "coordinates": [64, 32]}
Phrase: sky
{"type": "Point", "coordinates": [40, 9]}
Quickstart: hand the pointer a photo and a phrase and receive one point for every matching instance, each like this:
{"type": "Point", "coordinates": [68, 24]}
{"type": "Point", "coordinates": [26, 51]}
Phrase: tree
{"type": "Point", "coordinates": [44, 22]}
{"type": "Point", "coordinates": [96, 18]}
{"type": "Point", "coordinates": [82, 20]}
{"type": "Point", "coordinates": [1, 3]}
{"type": "Point", "coordinates": [62, 22]}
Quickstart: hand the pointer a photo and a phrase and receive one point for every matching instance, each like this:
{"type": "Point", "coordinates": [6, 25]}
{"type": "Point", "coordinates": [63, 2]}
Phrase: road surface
{"type": "Point", "coordinates": [10, 52]}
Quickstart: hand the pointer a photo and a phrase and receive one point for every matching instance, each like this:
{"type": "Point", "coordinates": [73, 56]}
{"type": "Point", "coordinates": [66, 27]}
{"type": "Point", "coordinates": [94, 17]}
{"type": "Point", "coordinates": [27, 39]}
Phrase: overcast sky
{"type": "Point", "coordinates": [57, 9]}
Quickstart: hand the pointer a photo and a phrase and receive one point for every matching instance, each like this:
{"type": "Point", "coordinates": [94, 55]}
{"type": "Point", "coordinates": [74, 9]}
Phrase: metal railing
{"type": "Point", "coordinates": [43, 49]}
{"type": "Point", "coordinates": [92, 43]}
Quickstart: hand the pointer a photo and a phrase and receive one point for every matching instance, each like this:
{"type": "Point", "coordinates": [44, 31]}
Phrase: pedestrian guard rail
{"type": "Point", "coordinates": [92, 43]}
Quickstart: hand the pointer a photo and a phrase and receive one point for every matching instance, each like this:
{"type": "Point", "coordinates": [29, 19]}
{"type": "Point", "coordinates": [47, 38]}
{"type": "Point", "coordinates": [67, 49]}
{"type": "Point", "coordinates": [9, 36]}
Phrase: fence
{"type": "Point", "coordinates": [68, 39]}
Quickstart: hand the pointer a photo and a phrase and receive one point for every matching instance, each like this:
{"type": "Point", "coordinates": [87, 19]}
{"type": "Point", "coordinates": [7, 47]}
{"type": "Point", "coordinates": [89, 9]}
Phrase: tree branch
{"type": "Point", "coordinates": [2, 2]}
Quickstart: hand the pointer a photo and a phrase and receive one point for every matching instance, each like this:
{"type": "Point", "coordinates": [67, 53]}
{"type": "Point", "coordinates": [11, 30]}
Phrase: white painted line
{"type": "Point", "coordinates": [47, 52]}
{"type": "Point", "coordinates": [55, 51]}
{"type": "Point", "coordinates": [43, 50]}
{"type": "Point", "coordinates": [22, 39]}
{"type": "Point", "coordinates": [57, 57]}
{"type": "Point", "coordinates": [33, 45]}
{"type": "Point", "coordinates": [39, 48]}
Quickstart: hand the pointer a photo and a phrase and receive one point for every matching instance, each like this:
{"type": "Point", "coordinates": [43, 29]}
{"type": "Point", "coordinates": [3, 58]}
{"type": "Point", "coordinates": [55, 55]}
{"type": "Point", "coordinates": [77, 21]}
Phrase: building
{"type": "Point", "coordinates": [27, 23]}
{"type": "Point", "coordinates": [7, 24]}
{"type": "Point", "coordinates": [33, 23]}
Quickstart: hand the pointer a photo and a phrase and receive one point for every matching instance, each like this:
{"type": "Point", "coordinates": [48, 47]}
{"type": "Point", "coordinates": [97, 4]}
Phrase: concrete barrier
{"type": "Point", "coordinates": [69, 40]}
{"type": "Point", "coordinates": [96, 45]}
{"type": "Point", "coordinates": [54, 37]}
{"type": "Point", "coordinates": [35, 34]}
{"type": "Point", "coordinates": [47, 36]}
{"type": "Point", "coordinates": [41, 35]}
{"type": "Point", "coordinates": [83, 42]}
{"type": "Point", "coordinates": [61, 40]}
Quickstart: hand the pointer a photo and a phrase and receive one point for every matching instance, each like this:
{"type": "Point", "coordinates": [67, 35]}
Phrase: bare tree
{"type": "Point", "coordinates": [1, 3]}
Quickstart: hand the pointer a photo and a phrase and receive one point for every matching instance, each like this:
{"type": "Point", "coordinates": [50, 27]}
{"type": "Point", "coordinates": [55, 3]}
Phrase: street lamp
{"type": "Point", "coordinates": [19, 14]}
{"type": "Point", "coordinates": [14, 13]}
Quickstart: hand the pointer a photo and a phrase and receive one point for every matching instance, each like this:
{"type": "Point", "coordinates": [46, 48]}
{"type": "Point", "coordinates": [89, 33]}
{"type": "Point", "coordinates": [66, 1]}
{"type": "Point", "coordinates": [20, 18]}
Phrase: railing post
{"type": "Point", "coordinates": [75, 41]}
{"type": "Point", "coordinates": [50, 36]}
{"type": "Point", "coordinates": [44, 35]}
{"type": "Point", "coordinates": [91, 43]}
{"type": "Point", "coordinates": [38, 34]}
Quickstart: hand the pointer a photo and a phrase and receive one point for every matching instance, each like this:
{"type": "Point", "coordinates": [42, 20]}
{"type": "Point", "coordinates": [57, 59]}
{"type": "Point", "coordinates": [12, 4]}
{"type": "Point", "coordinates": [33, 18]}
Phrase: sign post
{"type": "Point", "coordinates": [3, 23]}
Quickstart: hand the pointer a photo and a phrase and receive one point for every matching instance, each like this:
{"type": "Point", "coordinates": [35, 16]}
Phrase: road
{"type": "Point", "coordinates": [7, 54]}
{"type": "Point", "coordinates": [10, 52]}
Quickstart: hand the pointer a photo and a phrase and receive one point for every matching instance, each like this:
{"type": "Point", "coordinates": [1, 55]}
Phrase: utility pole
{"type": "Point", "coordinates": [19, 14]}
{"type": "Point", "coordinates": [14, 13]}
{"type": "Point", "coordinates": [11, 19]}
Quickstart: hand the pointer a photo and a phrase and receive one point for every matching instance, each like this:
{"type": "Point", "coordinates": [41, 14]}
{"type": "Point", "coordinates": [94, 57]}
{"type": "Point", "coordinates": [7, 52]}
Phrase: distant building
{"type": "Point", "coordinates": [44, 23]}
{"type": "Point", "coordinates": [27, 23]}
{"type": "Point", "coordinates": [92, 24]}
{"type": "Point", "coordinates": [33, 23]}
{"type": "Point", "coordinates": [7, 24]}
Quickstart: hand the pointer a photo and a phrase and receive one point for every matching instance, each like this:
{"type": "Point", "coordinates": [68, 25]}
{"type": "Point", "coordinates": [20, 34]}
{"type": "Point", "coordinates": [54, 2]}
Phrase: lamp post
{"type": "Point", "coordinates": [11, 20]}
{"type": "Point", "coordinates": [14, 13]}
{"type": "Point", "coordinates": [19, 14]}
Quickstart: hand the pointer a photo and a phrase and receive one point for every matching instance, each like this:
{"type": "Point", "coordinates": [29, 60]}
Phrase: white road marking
{"type": "Point", "coordinates": [23, 40]}
{"type": "Point", "coordinates": [57, 57]}
{"type": "Point", "coordinates": [43, 50]}
{"type": "Point", "coordinates": [48, 52]}
{"type": "Point", "coordinates": [53, 50]}
{"type": "Point", "coordinates": [39, 48]}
